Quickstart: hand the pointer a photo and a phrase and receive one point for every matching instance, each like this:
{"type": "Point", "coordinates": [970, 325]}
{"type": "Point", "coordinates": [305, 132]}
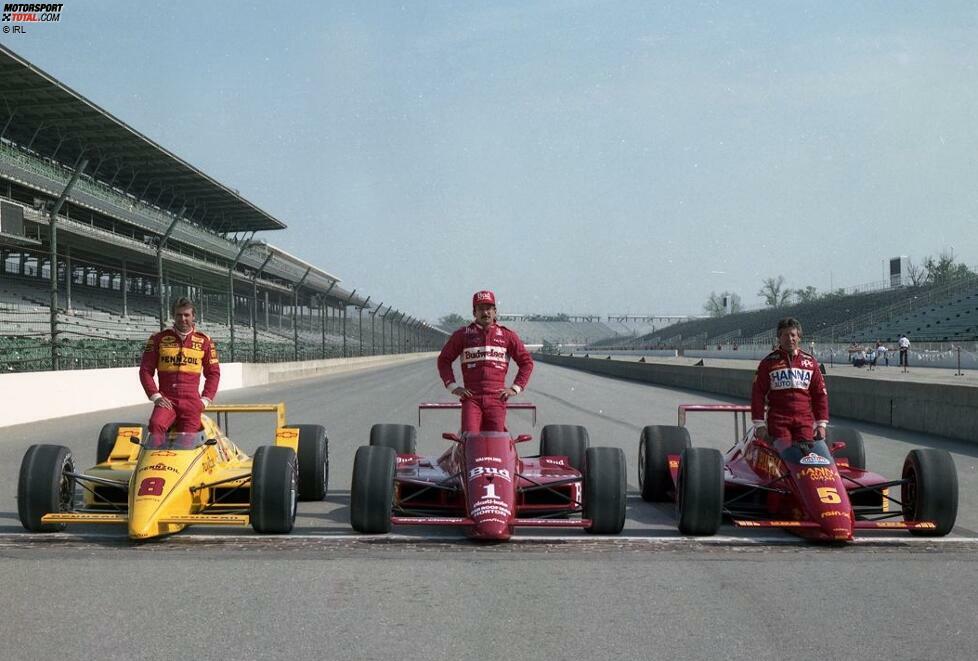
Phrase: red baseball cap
{"type": "Point", "coordinates": [484, 297]}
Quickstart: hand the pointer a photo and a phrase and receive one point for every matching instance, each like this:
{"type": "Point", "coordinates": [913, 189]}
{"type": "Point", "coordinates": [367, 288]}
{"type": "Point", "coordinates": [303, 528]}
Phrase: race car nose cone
{"type": "Point", "coordinates": [491, 530]}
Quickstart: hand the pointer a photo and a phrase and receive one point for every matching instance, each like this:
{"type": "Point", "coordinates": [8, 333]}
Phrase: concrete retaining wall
{"type": "Point", "coordinates": [941, 409]}
{"type": "Point", "coordinates": [31, 396]}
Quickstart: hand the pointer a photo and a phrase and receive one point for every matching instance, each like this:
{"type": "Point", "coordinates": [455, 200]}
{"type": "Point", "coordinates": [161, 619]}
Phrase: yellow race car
{"type": "Point", "coordinates": [159, 484]}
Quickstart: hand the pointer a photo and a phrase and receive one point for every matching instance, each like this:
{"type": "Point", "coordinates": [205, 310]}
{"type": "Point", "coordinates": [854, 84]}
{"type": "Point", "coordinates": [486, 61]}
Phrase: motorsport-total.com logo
{"type": "Point", "coordinates": [22, 13]}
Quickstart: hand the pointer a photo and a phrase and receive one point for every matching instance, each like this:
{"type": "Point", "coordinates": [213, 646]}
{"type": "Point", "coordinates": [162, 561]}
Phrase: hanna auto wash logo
{"type": "Point", "coordinates": [29, 13]}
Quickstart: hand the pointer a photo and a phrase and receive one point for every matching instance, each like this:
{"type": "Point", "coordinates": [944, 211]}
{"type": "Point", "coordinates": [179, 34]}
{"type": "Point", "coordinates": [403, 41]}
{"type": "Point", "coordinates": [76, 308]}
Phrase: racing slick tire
{"type": "Point", "coordinates": [372, 490]}
{"type": "Point", "coordinates": [604, 490]}
{"type": "Point", "coordinates": [313, 459]}
{"type": "Point", "coordinates": [571, 441]}
{"type": "Point", "coordinates": [403, 439]}
{"type": "Point", "coordinates": [655, 445]}
{"type": "Point", "coordinates": [930, 492]}
{"type": "Point", "coordinates": [854, 451]}
{"type": "Point", "coordinates": [699, 495]}
{"type": "Point", "coordinates": [274, 490]}
{"type": "Point", "coordinates": [106, 438]}
{"type": "Point", "coordinates": [43, 488]}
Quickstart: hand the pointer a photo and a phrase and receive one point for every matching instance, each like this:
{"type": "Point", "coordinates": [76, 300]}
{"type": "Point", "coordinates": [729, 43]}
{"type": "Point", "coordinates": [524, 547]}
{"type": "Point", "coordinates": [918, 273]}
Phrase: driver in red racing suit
{"type": "Point", "coordinates": [179, 355]}
{"type": "Point", "coordinates": [790, 383]}
{"type": "Point", "coordinates": [485, 348]}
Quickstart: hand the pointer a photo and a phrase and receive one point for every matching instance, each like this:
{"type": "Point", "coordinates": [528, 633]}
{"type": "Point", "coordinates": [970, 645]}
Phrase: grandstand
{"type": "Point", "coordinates": [134, 227]}
{"type": "Point", "coordinates": [938, 313]}
{"type": "Point", "coordinates": [581, 329]}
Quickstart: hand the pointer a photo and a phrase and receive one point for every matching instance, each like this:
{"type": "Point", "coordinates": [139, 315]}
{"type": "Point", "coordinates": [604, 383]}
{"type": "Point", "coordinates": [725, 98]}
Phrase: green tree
{"type": "Point", "coordinates": [807, 295]}
{"type": "Point", "coordinates": [718, 305]}
{"type": "Point", "coordinates": [943, 268]}
{"type": "Point", "coordinates": [452, 321]}
{"type": "Point", "coordinates": [774, 293]}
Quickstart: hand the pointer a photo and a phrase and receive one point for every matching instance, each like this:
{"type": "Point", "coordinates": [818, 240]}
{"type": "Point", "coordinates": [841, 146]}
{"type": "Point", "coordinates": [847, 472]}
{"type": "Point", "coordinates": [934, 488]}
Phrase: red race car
{"type": "Point", "coordinates": [482, 484]}
{"type": "Point", "coordinates": [817, 489]}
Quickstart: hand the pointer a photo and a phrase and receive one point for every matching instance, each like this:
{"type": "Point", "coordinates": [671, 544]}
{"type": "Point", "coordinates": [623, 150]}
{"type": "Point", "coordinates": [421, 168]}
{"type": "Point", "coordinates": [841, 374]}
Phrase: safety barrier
{"type": "Point", "coordinates": [941, 409]}
{"type": "Point", "coordinates": [32, 396]}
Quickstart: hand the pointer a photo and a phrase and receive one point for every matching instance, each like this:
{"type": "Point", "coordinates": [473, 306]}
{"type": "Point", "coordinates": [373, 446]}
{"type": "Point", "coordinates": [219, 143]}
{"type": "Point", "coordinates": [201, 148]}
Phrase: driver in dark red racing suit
{"type": "Point", "coordinates": [789, 382]}
{"type": "Point", "coordinates": [179, 355]}
{"type": "Point", "coordinates": [485, 348]}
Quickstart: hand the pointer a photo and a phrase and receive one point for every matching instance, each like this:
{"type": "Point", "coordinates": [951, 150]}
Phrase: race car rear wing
{"type": "Point", "coordinates": [740, 412]}
{"type": "Point", "coordinates": [458, 405]}
{"type": "Point", "coordinates": [277, 409]}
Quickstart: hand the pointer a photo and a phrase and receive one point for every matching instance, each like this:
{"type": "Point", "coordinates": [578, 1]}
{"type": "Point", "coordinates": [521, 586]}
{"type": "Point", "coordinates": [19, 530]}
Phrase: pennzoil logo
{"type": "Point", "coordinates": [163, 453]}
{"type": "Point", "coordinates": [831, 513]}
{"type": "Point", "coordinates": [159, 467]}
{"type": "Point", "coordinates": [817, 474]}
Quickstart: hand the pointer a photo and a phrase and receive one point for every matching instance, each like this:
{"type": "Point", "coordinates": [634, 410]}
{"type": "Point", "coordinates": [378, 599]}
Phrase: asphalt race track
{"type": "Point", "coordinates": [326, 593]}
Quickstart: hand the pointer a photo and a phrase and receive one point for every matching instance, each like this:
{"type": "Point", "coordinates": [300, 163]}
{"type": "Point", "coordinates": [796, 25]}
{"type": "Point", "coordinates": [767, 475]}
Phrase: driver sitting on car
{"type": "Point", "coordinates": [790, 383]}
{"type": "Point", "coordinates": [485, 348]}
{"type": "Point", "coordinates": [179, 355]}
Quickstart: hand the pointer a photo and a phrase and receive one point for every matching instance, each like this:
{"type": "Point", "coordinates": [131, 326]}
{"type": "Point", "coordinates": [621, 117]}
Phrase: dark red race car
{"type": "Point", "coordinates": [817, 489]}
{"type": "Point", "coordinates": [482, 484]}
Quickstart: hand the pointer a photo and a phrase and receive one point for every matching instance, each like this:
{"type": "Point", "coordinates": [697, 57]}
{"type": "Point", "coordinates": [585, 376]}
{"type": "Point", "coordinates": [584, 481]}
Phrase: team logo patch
{"type": "Point", "coordinates": [812, 459]}
{"type": "Point", "coordinates": [788, 379]}
{"type": "Point", "coordinates": [482, 354]}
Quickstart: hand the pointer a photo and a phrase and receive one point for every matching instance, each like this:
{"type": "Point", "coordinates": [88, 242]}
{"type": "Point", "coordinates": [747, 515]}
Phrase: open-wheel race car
{"type": "Point", "coordinates": [817, 489]}
{"type": "Point", "coordinates": [158, 484]}
{"type": "Point", "coordinates": [481, 483]}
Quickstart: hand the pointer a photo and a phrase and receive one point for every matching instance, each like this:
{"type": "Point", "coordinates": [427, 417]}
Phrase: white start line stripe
{"type": "Point", "coordinates": [717, 540]}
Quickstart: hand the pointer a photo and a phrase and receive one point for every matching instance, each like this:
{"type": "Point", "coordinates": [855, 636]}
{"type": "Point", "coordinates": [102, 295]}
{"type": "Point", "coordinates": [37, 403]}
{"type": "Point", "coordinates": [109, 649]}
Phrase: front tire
{"type": "Point", "coordinates": [604, 490]}
{"type": "Point", "coordinates": [43, 488]}
{"type": "Point", "coordinates": [655, 445]}
{"type": "Point", "coordinates": [699, 497]}
{"type": "Point", "coordinates": [569, 441]}
{"type": "Point", "coordinates": [372, 491]}
{"type": "Point", "coordinates": [931, 491]}
{"type": "Point", "coordinates": [274, 490]}
{"type": "Point", "coordinates": [403, 439]}
{"type": "Point", "coordinates": [313, 462]}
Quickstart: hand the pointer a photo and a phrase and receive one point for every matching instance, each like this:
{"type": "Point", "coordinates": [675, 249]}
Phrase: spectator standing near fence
{"type": "Point", "coordinates": [904, 345]}
{"type": "Point", "coordinates": [882, 352]}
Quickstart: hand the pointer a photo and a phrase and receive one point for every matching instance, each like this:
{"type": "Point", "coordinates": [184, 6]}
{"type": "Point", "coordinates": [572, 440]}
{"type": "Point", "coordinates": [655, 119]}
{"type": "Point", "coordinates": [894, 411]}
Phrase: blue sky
{"type": "Point", "coordinates": [584, 157]}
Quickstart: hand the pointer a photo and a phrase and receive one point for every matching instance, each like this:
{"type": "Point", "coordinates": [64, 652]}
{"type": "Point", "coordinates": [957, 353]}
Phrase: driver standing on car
{"type": "Point", "coordinates": [789, 382]}
{"type": "Point", "coordinates": [485, 348]}
{"type": "Point", "coordinates": [179, 355]}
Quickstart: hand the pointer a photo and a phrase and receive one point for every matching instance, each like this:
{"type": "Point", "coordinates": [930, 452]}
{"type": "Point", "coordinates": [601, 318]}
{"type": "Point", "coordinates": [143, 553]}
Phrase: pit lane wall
{"type": "Point", "coordinates": [32, 396]}
{"type": "Point", "coordinates": [941, 409]}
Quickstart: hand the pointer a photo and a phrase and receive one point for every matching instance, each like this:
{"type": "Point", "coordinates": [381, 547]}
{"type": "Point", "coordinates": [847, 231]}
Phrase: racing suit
{"type": "Point", "coordinates": [794, 390]}
{"type": "Point", "coordinates": [485, 354]}
{"type": "Point", "coordinates": [179, 362]}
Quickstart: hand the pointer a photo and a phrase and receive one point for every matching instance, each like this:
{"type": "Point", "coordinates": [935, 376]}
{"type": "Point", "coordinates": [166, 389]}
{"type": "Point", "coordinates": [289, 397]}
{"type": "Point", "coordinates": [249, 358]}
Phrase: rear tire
{"type": "Point", "coordinates": [106, 438]}
{"type": "Point", "coordinates": [313, 462]}
{"type": "Point", "coordinates": [571, 441]}
{"type": "Point", "coordinates": [604, 490]}
{"type": "Point", "coordinates": [274, 490]}
{"type": "Point", "coordinates": [699, 497]}
{"type": "Point", "coordinates": [655, 445]}
{"type": "Point", "coordinates": [854, 451]}
{"type": "Point", "coordinates": [403, 439]}
{"type": "Point", "coordinates": [931, 491]}
{"type": "Point", "coordinates": [43, 488]}
{"type": "Point", "coordinates": [372, 491]}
